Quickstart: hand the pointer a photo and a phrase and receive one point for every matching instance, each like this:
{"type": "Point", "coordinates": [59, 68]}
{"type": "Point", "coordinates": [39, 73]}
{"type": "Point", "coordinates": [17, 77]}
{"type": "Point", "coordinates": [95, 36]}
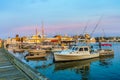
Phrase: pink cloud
{"type": "Point", "coordinates": [64, 28]}
{"type": "Point", "coordinates": [106, 23]}
{"type": "Point", "coordinates": [50, 29]}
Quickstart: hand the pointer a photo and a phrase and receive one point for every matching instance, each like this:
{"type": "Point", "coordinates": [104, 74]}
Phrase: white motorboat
{"type": "Point", "coordinates": [76, 53]}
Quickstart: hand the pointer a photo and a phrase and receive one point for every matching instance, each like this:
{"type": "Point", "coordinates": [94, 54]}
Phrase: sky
{"type": "Point", "coordinates": [59, 17]}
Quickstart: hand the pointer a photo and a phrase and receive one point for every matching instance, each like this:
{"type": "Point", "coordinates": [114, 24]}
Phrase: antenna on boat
{"type": "Point", "coordinates": [103, 34]}
{"type": "Point", "coordinates": [36, 32]}
{"type": "Point", "coordinates": [85, 27]}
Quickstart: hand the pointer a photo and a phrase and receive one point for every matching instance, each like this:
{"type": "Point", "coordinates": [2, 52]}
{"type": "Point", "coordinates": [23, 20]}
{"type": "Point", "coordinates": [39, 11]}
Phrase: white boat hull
{"type": "Point", "coordinates": [71, 57]}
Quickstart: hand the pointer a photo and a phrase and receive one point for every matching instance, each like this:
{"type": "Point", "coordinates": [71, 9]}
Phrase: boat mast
{"type": "Point", "coordinates": [85, 28]}
{"type": "Point", "coordinates": [36, 32]}
{"type": "Point", "coordinates": [103, 34]}
{"type": "Point", "coordinates": [36, 35]}
{"type": "Point", "coordinates": [96, 25]}
{"type": "Point", "coordinates": [42, 30]}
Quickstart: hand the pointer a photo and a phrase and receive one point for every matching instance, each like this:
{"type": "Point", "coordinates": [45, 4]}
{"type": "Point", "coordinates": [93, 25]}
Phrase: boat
{"type": "Point", "coordinates": [35, 56]}
{"type": "Point", "coordinates": [37, 59]}
{"type": "Point", "coordinates": [36, 51]}
{"type": "Point", "coordinates": [57, 49]}
{"type": "Point", "coordinates": [106, 51]}
{"type": "Point", "coordinates": [75, 53]}
{"type": "Point", "coordinates": [18, 50]}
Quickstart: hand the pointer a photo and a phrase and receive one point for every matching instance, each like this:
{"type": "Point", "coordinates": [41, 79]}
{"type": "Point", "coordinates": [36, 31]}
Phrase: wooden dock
{"type": "Point", "coordinates": [8, 71]}
{"type": "Point", "coordinates": [11, 68]}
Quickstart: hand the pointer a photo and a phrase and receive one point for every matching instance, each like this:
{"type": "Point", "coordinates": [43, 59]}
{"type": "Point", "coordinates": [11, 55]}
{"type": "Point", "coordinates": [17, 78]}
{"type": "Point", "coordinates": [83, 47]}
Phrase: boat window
{"type": "Point", "coordinates": [86, 49]}
{"type": "Point", "coordinates": [76, 48]}
{"type": "Point", "coordinates": [81, 49]}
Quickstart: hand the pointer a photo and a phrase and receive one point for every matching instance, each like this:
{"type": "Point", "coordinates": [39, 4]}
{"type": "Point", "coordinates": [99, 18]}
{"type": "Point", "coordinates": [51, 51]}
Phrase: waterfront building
{"type": "Point", "coordinates": [0, 43]}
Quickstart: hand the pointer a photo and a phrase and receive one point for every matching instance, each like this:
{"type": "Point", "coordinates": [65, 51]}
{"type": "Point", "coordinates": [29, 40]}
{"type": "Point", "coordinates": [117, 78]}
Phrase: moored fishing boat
{"type": "Point", "coordinates": [107, 51]}
{"type": "Point", "coordinates": [76, 53]}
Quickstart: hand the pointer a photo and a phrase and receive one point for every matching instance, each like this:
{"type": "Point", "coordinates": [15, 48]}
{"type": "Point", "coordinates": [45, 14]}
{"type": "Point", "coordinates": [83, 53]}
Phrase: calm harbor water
{"type": "Point", "coordinates": [93, 69]}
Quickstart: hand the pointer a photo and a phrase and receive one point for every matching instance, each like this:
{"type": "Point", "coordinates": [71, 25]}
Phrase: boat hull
{"type": "Point", "coordinates": [18, 50]}
{"type": "Point", "coordinates": [36, 51]}
{"type": "Point", "coordinates": [72, 57]}
{"type": "Point", "coordinates": [36, 56]}
{"type": "Point", "coordinates": [106, 53]}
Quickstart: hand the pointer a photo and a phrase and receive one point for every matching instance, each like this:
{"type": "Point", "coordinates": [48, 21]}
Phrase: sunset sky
{"type": "Point", "coordinates": [59, 16]}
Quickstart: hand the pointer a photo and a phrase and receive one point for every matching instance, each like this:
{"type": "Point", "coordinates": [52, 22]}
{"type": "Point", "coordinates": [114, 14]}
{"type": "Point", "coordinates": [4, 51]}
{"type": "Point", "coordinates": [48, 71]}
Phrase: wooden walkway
{"type": "Point", "coordinates": [8, 71]}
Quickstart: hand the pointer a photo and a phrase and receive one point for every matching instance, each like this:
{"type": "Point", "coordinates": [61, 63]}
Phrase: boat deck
{"type": "Point", "coordinates": [106, 53]}
{"type": "Point", "coordinates": [8, 71]}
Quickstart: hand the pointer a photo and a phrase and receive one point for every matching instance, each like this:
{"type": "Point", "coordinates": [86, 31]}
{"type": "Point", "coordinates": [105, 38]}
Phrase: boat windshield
{"type": "Point", "coordinates": [72, 48]}
{"type": "Point", "coordinates": [76, 48]}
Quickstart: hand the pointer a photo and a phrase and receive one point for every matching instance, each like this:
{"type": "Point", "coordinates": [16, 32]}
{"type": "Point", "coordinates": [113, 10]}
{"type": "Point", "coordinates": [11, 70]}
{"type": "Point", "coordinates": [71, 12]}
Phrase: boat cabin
{"type": "Point", "coordinates": [80, 48]}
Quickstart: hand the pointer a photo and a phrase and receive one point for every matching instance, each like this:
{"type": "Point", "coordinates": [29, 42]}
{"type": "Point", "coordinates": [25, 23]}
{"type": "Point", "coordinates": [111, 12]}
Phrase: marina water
{"type": "Point", "coordinates": [106, 68]}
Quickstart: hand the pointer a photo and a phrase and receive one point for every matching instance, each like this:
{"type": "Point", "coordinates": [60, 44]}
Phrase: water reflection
{"type": "Point", "coordinates": [106, 61]}
{"type": "Point", "coordinates": [79, 67]}
{"type": "Point", "coordinates": [82, 67]}
{"type": "Point", "coordinates": [73, 64]}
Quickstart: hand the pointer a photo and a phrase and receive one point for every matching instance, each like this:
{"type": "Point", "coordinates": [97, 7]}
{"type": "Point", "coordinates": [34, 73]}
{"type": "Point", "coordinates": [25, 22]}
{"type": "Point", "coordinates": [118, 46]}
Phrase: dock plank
{"type": "Point", "coordinates": [8, 71]}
